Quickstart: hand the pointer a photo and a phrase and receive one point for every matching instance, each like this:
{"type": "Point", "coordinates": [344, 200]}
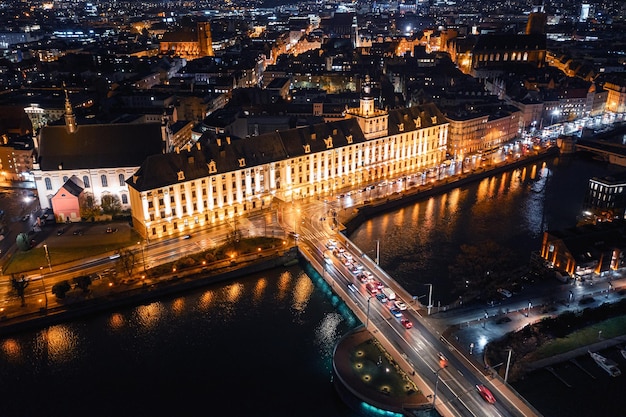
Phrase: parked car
{"type": "Point", "coordinates": [78, 232]}
{"type": "Point", "coordinates": [504, 292]}
{"type": "Point", "coordinates": [395, 312]}
{"type": "Point", "coordinates": [400, 305]}
{"type": "Point", "coordinates": [60, 231]}
{"type": "Point", "coordinates": [111, 229]}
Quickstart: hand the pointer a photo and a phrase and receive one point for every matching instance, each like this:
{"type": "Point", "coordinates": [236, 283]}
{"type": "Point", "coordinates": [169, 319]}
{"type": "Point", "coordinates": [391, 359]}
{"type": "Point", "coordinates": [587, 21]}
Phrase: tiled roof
{"type": "Point", "coordinates": [98, 146]}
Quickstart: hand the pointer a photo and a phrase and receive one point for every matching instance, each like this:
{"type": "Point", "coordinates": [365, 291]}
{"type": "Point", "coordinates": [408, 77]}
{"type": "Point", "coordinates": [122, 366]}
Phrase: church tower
{"type": "Point", "coordinates": [537, 19]}
{"type": "Point", "coordinates": [205, 41]}
{"type": "Point", "coordinates": [70, 119]}
{"type": "Point", "coordinates": [373, 121]}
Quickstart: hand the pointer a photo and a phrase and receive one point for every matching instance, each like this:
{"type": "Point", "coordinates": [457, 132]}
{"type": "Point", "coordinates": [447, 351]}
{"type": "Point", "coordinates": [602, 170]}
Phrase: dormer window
{"type": "Point", "coordinates": [401, 127]}
{"type": "Point", "coordinates": [349, 139]}
{"type": "Point", "coordinates": [418, 122]}
{"type": "Point", "coordinates": [329, 142]}
{"type": "Point", "coordinates": [212, 167]}
{"type": "Point", "coordinates": [242, 162]}
{"type": "Point", "coordinates": [434, 119]}
{"type": "Point", "coordinates": [307, 148]}
{"type": "Point", "coordinates": [181, 176]}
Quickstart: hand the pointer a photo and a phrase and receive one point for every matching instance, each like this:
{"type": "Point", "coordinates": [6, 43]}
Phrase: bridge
{"type": "Point", "coordinates": [415, 350]}
{"type": "Point", "coordinates": [614, 153]}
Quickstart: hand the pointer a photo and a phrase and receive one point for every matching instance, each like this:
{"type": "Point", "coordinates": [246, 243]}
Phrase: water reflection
{"type": "Point", "coordinates": [149, 315]}
{"type": "Point", "coordinates": [116, 321]}
{"type": "Point", "coordinates": [56, 344]}
{"type": "Point", "coordinates": [419, 242]}
{"type": "Point", "coordinates": [205, 300]}
{"type": "Point", "coordinates": [11, 350]}
{"type": "Point", "coordinates": [302, 292]}
{"type": "Point", "coordinates": [283, 285]}
{"type": "Point", "coordinates": [259, 290]}
{"type": "Point", "coordinates": [178, 306]}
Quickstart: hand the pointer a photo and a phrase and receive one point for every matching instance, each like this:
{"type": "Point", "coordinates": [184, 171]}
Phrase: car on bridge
{"type": "Point", "coordinates": [400, 305]}
{"type": "Point", "coordinates": [486, 394]}
{"type": "Point", "coordinates": [382, 297]}
{"type": "Point", "coordinates": [406, 323]}
{"type": "Point", "coordinates": [395, 312]}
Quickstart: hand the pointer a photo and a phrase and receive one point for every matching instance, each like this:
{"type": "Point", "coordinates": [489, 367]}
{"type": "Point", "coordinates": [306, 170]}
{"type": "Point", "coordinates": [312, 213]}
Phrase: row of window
{"type": "Point", "coordinates": [103, 181]}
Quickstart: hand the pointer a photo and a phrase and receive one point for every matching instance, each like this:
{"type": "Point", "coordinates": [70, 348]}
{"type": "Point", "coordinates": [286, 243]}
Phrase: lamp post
{"type": "Point", "coordinates": [143, 256]}
{"type": "Point", "coordinates": [530, 305]}
{"type": "Point", "coordinates": [508, 363]}
{"type": "Point", "coordinates": [556, 113]}
{"type": "Point", "coordinates": [437, 384]}
{"type": "Point", "coordinates": [569, 300]}
{"type": "Point", "coordinates": [377, 252]}
{"type": "Point", "coordinates": [367, 322]}
{"type": "Point", "coordinates": [430, 297]}
{"type": "Point", "coordinates": [43, 285]}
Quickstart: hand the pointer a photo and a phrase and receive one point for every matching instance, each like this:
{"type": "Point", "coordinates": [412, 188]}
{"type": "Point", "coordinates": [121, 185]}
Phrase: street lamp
{"type": "Point", "coordinates": [508, 363]}
{"type": "Point", "coordinates": [377, 252]}
{"type": "Point", "coordinates": [143, 256]}
{"type": "Point", "coordinates": [530, 305]}
{"type": "Point", "coordinates": [430, 297]}
{"type": "Point", "coordinates": [367, 322]}
{"type": "Point", "coordinates": [437, 383]}
{"type": "Point", "coordinates": [556, 113]}
{"type": "Point", "coordinates": [569, 300]}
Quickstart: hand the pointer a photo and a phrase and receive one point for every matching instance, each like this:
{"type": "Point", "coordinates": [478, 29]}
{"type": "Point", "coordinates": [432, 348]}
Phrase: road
{"type": "Point", "coordinates": [419, 346]}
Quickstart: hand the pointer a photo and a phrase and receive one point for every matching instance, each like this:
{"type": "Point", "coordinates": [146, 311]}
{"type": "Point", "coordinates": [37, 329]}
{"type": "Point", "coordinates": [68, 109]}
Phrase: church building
{"type": "Point", "coordinates": [100, 156]}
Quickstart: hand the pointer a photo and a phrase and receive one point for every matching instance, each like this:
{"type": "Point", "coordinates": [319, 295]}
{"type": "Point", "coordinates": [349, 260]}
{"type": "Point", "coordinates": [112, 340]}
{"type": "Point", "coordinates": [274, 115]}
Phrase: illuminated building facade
{"type": "Point", "coordinates": [188, 44]}
{"type": "Point", "coordinates": [616, 100]}
{"type": "Point", "coordinates": [226, 177]}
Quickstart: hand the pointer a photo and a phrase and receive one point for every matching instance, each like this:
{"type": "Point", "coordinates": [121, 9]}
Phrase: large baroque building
{"type": "Point", "coordinates": [225, 177]}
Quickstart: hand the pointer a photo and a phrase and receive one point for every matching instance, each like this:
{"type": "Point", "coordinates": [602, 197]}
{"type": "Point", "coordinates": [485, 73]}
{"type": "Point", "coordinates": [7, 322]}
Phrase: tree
{"type": "Point", "coordinates": [111, 204]}
{"type": "Point", "coordinates": [22, 241]}
{"type": "Point", "coordinates": [88, 207]}
{"type": "Point", "coordinates": [479, 269]}
{"type": "Point", "coordinates": [19, 285]}
{"type": "Point", "coordinates": [61, 288]}
{"type": "Point", "coordinates": [83, 282]}
{"type": "Point", "coordinates": [126, 260]}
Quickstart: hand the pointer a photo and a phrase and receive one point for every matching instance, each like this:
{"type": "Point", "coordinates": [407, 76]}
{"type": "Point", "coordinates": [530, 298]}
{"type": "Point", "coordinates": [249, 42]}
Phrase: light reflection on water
{"type": "Point", "coordinates": [418, 242]}
{"type": "Point", "coordinates": [302, 292]}
{"type": "Point", "coordinates": [269, 335]}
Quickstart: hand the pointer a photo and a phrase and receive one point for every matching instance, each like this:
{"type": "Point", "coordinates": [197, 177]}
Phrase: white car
{"type": "Point", "coordinates": [399, 305]}
{"type": "Point", "coordinates": [347, 255]}
{"type": "Point", "coordinates": [504, 293]}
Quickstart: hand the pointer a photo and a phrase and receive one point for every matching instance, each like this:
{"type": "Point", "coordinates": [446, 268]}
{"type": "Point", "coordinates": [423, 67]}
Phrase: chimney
{"type": "Point", "coordinates": [228, 139]}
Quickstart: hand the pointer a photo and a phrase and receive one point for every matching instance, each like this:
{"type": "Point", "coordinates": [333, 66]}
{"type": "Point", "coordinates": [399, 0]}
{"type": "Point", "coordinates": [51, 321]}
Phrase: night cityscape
{"type": "Point", "coordinates": [274, 208]}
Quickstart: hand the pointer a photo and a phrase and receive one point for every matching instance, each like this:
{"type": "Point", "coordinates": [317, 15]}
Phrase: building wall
{"type": "Point", "coordinates": [616, 99]}
{"type": "Point", "coordinates": [15, 164]}
{"type": "Point", "coordinates": [180, 208]}
{"type": "Point", "coordinates": [66, 207]}
{"type": "Point", "coordinates": [48, 182]}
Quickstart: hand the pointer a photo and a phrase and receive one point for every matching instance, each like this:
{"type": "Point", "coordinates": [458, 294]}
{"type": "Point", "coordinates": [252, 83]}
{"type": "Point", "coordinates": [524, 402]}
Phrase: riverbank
{"type": "Point", "coordinates": [352, 218]}
{"type": "Point", "coordinates": [104, 296]}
